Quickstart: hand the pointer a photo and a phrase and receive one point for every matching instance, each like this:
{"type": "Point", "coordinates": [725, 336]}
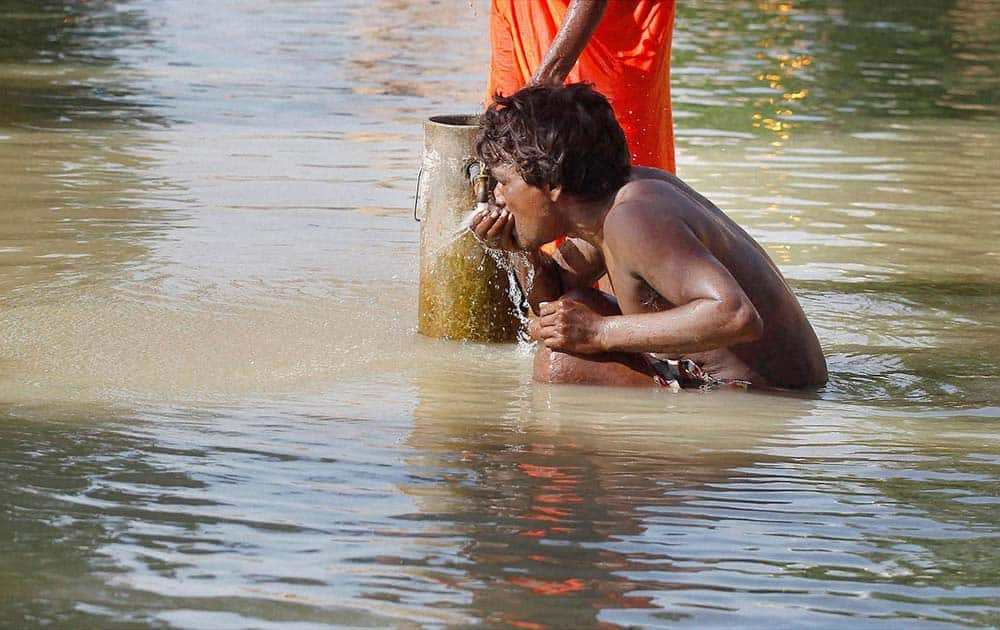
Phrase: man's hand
{"type": "Point", "coordinates": [568, 326]}
{"type": "Point", "coordinates": [495, 228]}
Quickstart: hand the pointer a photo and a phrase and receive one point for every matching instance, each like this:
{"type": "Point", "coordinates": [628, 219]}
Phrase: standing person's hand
{"type": "Point", "coordinates": [495, 228]}
{"type": "Point", "coordinates": [567, 325]}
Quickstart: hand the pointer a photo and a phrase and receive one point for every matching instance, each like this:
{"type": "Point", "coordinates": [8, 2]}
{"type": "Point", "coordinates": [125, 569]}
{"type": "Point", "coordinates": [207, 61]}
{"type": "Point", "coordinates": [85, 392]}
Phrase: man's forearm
{"type": "Point", "coordinates": [581, 20]}
{"type": "Point", "coordinates": [695, 327]}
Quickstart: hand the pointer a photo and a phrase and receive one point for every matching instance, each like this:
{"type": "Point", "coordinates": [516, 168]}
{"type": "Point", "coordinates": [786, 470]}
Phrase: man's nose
{"type": "Point", "coordinates": [498, 198]}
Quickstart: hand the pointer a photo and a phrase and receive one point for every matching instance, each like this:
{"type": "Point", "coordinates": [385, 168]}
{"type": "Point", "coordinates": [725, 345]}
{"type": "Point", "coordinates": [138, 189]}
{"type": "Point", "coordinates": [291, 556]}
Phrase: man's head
{"type": "Point", "coordinates": [560, 137]}
{"type": "Point", "coordinates": [549, 143]}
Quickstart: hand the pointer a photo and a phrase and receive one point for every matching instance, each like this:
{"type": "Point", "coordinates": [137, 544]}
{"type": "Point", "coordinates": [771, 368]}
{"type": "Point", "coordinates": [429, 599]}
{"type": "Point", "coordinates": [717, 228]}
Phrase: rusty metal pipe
{"type": "Point", "coordinates": [463, 293]}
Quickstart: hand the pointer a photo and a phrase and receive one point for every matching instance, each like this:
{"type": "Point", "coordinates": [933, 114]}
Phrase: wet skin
{"type": "Point", "coordinates": [689, 283]}
{"type": "Point", "coordinates": [581, 20]}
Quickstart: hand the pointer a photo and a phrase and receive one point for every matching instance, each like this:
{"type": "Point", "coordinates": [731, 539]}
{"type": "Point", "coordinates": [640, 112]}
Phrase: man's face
{"type": "Point", "coordinates": [535, 219]}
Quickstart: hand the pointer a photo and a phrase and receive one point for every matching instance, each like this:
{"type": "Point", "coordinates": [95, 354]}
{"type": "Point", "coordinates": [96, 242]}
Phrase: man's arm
{"type": "Point", "coordinates": [575, 264]}
{"type": "Point", "coordinates": [576, 29]}
{"type": "Point", "coordinates": [712, 309]}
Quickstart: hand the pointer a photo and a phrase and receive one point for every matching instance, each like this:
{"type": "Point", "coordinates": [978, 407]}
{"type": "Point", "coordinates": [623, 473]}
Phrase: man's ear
{"type": "Point", "coordinates": [555, 193]}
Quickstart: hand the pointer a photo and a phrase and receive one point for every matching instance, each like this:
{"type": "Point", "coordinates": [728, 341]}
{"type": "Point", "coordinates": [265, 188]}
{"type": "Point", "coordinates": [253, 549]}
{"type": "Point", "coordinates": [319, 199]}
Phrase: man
{"type": "Point", "coordinates": [620, 46]}
{"type": "Point", "coordinates": [698, 300]}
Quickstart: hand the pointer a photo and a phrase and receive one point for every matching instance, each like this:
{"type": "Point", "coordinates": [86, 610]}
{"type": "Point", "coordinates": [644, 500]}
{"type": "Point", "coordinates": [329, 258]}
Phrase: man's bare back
{"type": "Point", "coordinates": [787, 354]}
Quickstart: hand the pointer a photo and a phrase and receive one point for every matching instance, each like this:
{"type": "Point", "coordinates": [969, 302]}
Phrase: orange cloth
{"type": "Point", "coordinates": [627, 59]}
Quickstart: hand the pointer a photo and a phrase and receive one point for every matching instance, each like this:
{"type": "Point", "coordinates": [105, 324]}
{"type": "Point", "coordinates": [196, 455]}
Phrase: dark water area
{"type": "Point", "coordinates": [215, 411]}
{"type": "Point", "coordinates": [839, 63]}
{"type": "Point", "coordinates": [45, 45]}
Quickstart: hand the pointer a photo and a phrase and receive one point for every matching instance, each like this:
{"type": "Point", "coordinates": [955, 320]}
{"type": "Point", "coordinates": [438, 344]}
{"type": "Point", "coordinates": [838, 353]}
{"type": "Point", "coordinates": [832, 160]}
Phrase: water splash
{"type": "Point", "coordinates": [518, 295]}
{"type": "Point", "coordinates": [504, 260]}
{"type": "Point", "coordinates": [466, 223]}
{"type": "Point", "coordinates": [447, 238]}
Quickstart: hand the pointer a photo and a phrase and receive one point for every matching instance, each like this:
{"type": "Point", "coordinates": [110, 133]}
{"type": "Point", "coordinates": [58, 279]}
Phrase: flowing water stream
{"type": "Point", "coordinates": [215, 411]}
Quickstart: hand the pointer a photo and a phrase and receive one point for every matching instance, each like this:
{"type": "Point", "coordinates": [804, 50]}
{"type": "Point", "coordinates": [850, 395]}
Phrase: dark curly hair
{"type": "Point", "coordinates": [561, 136]}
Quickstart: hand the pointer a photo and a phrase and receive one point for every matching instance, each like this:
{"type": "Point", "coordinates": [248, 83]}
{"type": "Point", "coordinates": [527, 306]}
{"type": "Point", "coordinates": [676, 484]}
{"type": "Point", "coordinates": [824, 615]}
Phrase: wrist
{"type": "Point", "coordinates": [551, 74]}
{"type": "Point", "coordinates": [603, 334]}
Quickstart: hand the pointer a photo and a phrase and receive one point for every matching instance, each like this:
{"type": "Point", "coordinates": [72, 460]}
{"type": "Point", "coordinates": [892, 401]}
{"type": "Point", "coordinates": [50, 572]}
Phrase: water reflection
{"type": "Point", "coordinates": [50, 531]}
{"type": "Point", "coordinates": [409, 30]}
{"type": "Point", "coordinates": [58, 63]}
{"type": "Point", "coordinates": [135, 524]}
{"type": "Point", "coordinates": [434, 504]}
{"type": "Point", "coordinates": [801, 63]}
{"type": "Point", "coordinates": [558, 503]}
{"type": "Point", "coordinates": [71, 146]}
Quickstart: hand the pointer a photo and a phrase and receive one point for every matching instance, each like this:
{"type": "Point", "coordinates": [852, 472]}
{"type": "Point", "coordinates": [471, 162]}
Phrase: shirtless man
{"type": "Point", "coordinates": [699, 302]}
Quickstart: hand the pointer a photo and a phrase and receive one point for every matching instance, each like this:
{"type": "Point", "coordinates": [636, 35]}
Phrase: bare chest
{"type": "Point", "coordinates": [632, 292]}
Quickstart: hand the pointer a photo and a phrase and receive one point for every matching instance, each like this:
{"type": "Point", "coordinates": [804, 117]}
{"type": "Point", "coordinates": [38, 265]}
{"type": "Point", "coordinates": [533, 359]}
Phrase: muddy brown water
{"type": "Point", "coordinates": [215, 410]}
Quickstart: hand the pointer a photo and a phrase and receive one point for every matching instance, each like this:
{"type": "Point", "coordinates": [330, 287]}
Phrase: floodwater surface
{"type": "Point", "coordinates": [215, 411]}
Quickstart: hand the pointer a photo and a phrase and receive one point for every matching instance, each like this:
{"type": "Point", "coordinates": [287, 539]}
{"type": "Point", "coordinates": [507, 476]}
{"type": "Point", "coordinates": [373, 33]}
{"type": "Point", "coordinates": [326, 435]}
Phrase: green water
{"type": "Point", "coordinates": [215, 411]}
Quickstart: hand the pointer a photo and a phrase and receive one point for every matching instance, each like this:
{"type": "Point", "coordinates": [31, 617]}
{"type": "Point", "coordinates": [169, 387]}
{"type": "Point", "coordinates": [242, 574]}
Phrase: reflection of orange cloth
{"type": "Point", "coordinates": [627, 60]}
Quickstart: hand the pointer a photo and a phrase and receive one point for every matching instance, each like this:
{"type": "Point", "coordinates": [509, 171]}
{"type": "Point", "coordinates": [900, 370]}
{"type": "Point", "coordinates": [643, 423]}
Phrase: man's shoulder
{"type": "Point", "coordinates": [658, 196]}
{"type": "Point", "coordinates": [650, 187]}
{"type": "Point", "coordinates": [650, 174]}
{"type": "Point", "coordinates": [642, 210]}
{"type": "Point", "coordinates": [646, 199]}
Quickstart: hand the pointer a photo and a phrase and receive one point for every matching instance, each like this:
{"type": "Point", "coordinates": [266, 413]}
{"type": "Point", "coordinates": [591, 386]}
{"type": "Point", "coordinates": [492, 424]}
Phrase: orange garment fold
{"type": "Point", "coordinates": [627, 60]}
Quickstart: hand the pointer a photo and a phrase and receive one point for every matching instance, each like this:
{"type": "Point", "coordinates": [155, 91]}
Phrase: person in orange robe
{"type": "Point", "coordinates": [622, 47]}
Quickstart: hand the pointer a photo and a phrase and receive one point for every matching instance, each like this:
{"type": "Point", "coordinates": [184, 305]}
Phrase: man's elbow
{"type": "Point", "coordinates": [745, 324]}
